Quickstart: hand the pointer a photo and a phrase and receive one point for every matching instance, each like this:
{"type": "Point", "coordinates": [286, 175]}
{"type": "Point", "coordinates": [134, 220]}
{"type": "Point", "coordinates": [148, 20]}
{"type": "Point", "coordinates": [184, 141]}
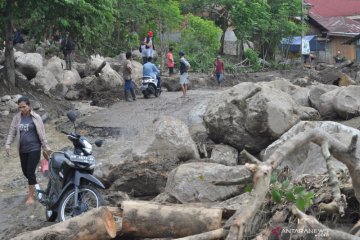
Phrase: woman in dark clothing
{"type": "Point", "coordinates": [28, 130]}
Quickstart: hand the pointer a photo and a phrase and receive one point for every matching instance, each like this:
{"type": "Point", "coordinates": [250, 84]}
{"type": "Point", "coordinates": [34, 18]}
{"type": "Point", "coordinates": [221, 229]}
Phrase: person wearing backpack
{"type": "Point", "coordinates": [67, 46]}
{"type": "Point", "coordinates": [184, 67]}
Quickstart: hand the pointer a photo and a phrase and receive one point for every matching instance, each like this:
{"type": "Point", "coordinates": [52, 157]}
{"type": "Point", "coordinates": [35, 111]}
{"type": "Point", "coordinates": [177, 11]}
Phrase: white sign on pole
{"type": "Point", "coordinates": [305, 47]}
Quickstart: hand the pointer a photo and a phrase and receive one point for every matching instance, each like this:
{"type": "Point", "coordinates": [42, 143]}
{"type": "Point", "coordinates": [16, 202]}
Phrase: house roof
{"type": "Point", "coordinates": [334, 8]}
{"type": "Point", "coordinates": [350, 41]}
{"type": "Point", "coordinates": [337, 25]}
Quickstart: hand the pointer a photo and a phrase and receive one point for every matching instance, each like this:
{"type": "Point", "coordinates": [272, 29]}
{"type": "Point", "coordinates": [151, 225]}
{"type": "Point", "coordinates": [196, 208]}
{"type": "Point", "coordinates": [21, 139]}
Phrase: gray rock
{"type": "Point", "coordinates": [44, 80]}
{"type": "Point", "coordinates": [29, 64]}
{"type": "Point", "coordinates": [316, 91]}
{"type": "Point", "coordinates": [225, 155]}
{"type": "Point", "coordinates": [72, 95]}
{"type": "Point", "coordinates": [347, 101]}
{"type": "Point", "coordinates": [6, 98]}
{"type": "Point", "coordinates": [251, 116]}
{"type": "Point", "coordinates": [12, 106]}
{"type": "Point", "coordinates": [192, 182]}
{"type": "Point", "coordinates": [4, 113]}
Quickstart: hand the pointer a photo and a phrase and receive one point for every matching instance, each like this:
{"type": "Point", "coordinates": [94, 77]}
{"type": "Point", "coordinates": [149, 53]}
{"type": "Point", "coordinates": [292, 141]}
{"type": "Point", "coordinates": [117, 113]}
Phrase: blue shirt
{"type": "Point", "coordinates": [149, 69]}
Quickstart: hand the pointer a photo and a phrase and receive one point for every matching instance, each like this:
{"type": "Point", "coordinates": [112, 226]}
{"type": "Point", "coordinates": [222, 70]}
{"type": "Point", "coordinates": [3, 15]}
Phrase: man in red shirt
{"type": "Point", "coordinates": [219, 70]}
{"type": "Point", "coordinates": [170, 61]}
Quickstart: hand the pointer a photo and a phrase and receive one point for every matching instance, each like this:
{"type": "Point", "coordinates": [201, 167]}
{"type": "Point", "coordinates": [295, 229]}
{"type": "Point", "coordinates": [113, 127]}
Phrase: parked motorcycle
{"type": "Point", "coordinates": [149, 87]}
{"type": "Point", "coordinates": [72, 189]}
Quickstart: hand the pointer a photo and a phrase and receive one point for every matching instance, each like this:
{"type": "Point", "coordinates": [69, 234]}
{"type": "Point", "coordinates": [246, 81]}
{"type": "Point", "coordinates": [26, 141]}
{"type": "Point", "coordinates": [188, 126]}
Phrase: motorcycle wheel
{"type": "Point", "coordinates": [89, 198]}
{"type": "Point", "coordinates": [145, 95]}
{"type": "Point", "coordinates": [157, 92]}
{"type": "Point", "coordinates": [151, 89]}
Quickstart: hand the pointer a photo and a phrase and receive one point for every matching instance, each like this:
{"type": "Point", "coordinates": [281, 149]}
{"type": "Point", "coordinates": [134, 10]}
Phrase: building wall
{"type": "Point", "coordinates": [347, 51]}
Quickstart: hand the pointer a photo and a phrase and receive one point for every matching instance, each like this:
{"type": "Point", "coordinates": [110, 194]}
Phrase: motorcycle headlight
{"type": "Point", "coordinates": [87, 146]}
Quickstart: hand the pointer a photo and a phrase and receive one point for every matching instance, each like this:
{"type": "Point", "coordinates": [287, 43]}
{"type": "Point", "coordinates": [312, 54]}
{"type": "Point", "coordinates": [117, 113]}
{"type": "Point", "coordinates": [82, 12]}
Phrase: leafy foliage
{"type": "Point", "coordinates": [253, 59]}
{"type": "Point", "coordinates": [200, 41]}
{"type": "Point", "coordinates": [266, 21]}
{"type": "Point", "coordinates": [287, 192]}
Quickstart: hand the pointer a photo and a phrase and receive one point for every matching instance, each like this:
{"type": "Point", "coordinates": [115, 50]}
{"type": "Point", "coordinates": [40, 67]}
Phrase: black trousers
{"type": "Point", "coordinates": [29, 161]}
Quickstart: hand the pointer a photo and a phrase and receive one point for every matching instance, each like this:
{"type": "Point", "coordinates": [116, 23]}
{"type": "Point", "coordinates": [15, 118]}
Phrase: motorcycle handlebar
{"type": "Point", "coordinates": [65, 132]}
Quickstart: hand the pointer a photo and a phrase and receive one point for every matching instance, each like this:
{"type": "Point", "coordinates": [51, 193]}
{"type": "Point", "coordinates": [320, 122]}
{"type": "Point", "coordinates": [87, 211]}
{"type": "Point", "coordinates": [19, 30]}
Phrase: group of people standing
{"type": "Point", "coordinates": [147, 49]}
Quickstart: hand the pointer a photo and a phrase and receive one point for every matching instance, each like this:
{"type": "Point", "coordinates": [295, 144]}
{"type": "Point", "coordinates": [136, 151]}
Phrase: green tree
{"type": "Point", "coordinates": [217, 10]}
{"type": "Point", "coordinates": [200, 41]}
{"type": "Point", "coordinates": [266, 22]}
{"type": "Point", "coordinates": [88, 21]}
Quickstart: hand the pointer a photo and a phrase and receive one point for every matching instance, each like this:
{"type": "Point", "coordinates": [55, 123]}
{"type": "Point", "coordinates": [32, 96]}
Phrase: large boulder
{"type": "Point", "coordinates": [29, 64]}
{"type": "Point", "coordinates": [347, 101]}
{"type": "Point", "coordinates": [193, 182]}
{"type": "Point", "coordinates": [142, 168]}
{"type": "Point", "coordinates": [44, 80]}
{"type": "Point", "coordinates": [251, 116]}
{"type": "Point", "coordinates": [316, 91]}
{"type": "Point", "coordinates": [341, 102]}
{"type": "Point", "coordinates": [109, 79]}
{"type": "Point", "coordinates": [308, 159]}
{"type": "Point", "coordinates": [137, 70]}
{"type": "Point", "coordinates": [299, 94]}
{"type": "Point", "coordinates": [171, 137]}
{"type": "Point", "coordinates": [56, 66]}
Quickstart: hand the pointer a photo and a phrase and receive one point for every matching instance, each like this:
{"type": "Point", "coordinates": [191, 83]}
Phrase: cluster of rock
{"type": "Point", "coordinates": [50, 76]}
{"type": "Point", "coordinates": [248, 116]}
{"type": "Point", "coordinates": [8, 104]}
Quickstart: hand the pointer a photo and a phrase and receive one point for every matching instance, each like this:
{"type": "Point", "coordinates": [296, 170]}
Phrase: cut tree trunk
{"type": "Point", "coordinates": [151, 220]}
{"type": "Point", "coordinates": [93, 225]}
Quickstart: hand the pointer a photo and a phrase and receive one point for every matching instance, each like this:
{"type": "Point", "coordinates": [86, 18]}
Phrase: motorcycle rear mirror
{"type": "Point", "coordinates": [99, 142]}
{"type": "Point", "coordinates": [71, 116]}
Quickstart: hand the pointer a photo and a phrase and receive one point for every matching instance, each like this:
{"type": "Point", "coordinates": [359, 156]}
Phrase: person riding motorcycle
{"type": "Point", "coordinates": [150, 70]}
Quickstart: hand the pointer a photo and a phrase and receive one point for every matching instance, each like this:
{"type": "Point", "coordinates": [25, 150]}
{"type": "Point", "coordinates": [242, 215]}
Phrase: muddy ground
{"type": "Point", "coordinates": [123, 121]}
{"type": "Point", "coordinates": [119, 125]}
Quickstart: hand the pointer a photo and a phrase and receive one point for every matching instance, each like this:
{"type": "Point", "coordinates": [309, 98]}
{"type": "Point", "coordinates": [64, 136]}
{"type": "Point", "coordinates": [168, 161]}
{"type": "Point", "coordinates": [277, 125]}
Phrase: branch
{"type": "Point", "coordinates": [312, 223]}
{"type": "Point", "coordinates": [245, 154]}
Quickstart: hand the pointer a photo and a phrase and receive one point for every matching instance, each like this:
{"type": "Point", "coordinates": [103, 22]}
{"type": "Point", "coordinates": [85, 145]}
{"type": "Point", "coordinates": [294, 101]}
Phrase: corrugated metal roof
{"type": "Point", "coordinates": [334, 8]}
{"type": "Point", "coordinates": [338, 25]}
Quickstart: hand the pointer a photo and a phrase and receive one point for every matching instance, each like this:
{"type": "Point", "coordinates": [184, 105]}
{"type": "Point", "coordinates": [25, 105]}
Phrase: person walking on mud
{"type": "Point", "coordinates": [127, 74]}
{"type": "Point", "coordinates": [67, 46]}
{"type": "Point", "coordinates": [219, 70]}
{"type": "Point", "coordinates": [27, 129]}
{"type": "Point", "coordinates": [184, 67]}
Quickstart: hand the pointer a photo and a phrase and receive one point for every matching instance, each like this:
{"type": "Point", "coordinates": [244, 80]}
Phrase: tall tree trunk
{"type": "Point", "coordinates": [9, 52]}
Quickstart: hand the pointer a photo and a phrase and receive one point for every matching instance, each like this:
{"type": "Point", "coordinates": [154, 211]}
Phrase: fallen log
{"type": "Point", "coordinates": [151, 220]}
{"type": "Point", "coordinates": [215, 234]}
{"type": "Point", "coordinates": [93, 225]}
